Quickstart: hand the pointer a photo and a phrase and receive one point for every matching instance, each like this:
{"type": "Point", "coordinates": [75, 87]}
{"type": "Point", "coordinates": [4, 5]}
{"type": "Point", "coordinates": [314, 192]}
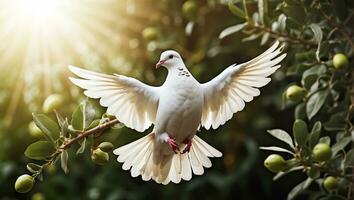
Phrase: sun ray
{"type": "Point", "coordinates": [47, 34]}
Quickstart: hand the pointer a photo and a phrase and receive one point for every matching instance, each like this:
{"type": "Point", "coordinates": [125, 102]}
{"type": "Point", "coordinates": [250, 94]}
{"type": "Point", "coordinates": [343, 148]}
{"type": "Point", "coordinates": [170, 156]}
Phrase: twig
{"type": "Point", "coordinates": [289, 38]}
{"type": "Point", "coordinates": [339, 27]}
{"type": "Point", "coordinates": [95, 130]}
{"type": "Point", "coordinates": [66, 145]}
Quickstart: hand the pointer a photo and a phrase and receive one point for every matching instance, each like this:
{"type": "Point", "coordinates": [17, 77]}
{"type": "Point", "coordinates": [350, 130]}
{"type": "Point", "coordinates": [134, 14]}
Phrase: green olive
{"type": "Point", "coordinates": [150, 33]}
{"type": "Point", "coordinates": [34, 130]}
{"type": "Point", "coordinates": [330, 183]}
{"type": "Point", "coordinates": [189, 9]}
{"type": "Point", "coordinates": [24, 183]}
{"type": "Point", "coordinates": [38, 196]}
{"type": "Point", "coordinates": [322, 152]}
{"type": "Point", "coordinates": [52, 102]}
{"type": "Point", "coordinates": [106, 146]}
{"type": "Point", "coordinates": [99, 157]}
{"type": "Point", "coordinates": [295, 93]}
{"type": "Point", "coordinates": [340, 61]}
{"type": "Point", "coordinates": [275, 163]}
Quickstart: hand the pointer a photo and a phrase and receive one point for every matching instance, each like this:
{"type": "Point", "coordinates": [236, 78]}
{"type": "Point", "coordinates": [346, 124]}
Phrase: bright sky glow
{"type": "Point", "coordinates": [38, 38]}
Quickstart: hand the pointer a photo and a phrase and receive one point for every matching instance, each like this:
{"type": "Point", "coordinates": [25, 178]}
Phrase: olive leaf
{"type": "Point", "coordinates": [315, 134]}
{"type": "Point", "coordinates": [316, 29]}
{"type": "Point", "coordinates": [300, 111]}
{"type": "Point", "coordinates": [274, 148]}
{"type": "Point", "coordinates": [263, 9]}
{"type": "Point", "coordinates": [349, 158]}
{"type": "Point", "coordinates": [283, 136]}
{"type": "Point", "coordinates": [315, 103]}
{"type": "Point", "coordinates": [300, 132]}
{"type": "Point", "coordinates": [341, 144]}
{"type": "Point", "coordinates": [337, 122]}
{"type": "Point", "coordinates": [236, 10]}
{"type": "Point", "coordinates": [299, 188]}
{"type": "Point", "coordinates": [82, 146]}
{"type": "Point", "coordinates": [231, 30]}
{"type": "Point", "coordinates": [33, 168]}
{"type": "Point", "coordinates": [48, 126]}
{"type": "Point", "coordinates": [64, 161]}
{"type": "Point", "coordinates": [64, 128]}
{"type": "Point", "coordinates": [40, 150]}
{"type": "Point", "coordinates": [281, 174]}
{"type": "Point", "coordinates": [60, 119]}
{"type": "Point", "coordinates": [310, 76]}
{"type": "Point", "coordinates": [83, 115]}
{"type": "Point", "coordinates": [326, 140]}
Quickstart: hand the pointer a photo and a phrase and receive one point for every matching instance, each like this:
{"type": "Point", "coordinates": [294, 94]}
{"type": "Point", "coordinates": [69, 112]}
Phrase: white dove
{"type": "Point", "coordinates": [177, 109]}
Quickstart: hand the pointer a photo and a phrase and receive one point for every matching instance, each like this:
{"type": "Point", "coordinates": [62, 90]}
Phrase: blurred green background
{"type": "Point", "coordinates": [40, 38]}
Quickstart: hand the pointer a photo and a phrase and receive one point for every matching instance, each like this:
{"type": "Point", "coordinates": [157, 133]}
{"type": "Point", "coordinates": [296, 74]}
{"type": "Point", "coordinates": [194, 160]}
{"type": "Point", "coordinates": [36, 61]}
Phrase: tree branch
{"type": "Point", "coordinates": [339, 27]}
{"type": "Point", "coordinates": [67, 144]}
{"type": "Point", "coordinates": [87, 133]}
{"type": "Point", "coordinates": [289, 38]}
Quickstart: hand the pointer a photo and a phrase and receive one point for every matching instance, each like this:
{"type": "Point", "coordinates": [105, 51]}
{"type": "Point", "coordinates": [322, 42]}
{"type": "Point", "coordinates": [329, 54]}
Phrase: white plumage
{"type": "Point", "coordinates": [172, 152]}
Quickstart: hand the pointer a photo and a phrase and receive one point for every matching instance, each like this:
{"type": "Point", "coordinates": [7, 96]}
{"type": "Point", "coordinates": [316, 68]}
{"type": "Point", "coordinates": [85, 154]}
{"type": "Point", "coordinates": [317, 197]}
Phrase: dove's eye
{"type": "Point", "coordinates": [170, 56]}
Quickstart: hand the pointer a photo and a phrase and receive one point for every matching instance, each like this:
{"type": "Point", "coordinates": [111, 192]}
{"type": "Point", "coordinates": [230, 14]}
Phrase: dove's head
{"type": "Point", "coordinates": [169, 59]}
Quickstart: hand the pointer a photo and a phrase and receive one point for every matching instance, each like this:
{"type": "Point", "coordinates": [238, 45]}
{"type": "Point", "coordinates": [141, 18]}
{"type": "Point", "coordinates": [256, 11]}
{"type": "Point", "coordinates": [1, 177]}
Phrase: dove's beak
{"type": "Point", "coordinates": [160, 63]}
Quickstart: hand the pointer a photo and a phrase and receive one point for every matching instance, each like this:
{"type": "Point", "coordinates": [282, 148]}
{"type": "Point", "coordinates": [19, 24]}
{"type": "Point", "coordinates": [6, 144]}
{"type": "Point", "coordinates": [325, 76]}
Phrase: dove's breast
{"type": "Point", "coordinates": [180, 109]}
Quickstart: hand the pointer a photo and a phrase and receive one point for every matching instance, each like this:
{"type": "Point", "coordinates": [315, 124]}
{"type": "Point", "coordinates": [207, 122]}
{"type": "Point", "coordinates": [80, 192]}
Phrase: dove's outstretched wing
{"type": "Point", "coordinates": [131, 101]}
{"type": "Point", "coordinates": [227, 93]}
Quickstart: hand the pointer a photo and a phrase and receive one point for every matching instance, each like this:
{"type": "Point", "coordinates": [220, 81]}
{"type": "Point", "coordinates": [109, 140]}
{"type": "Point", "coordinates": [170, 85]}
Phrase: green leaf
{"type": "Point", "coordinates": [82, 147]}
{"type": "Point", "coordinates": [315, 102]}
{"type": "Point", "coordinates": [251, 37]}
{"type": "Point", "coordinates": [281, 22]}
{"type": "Point", "coordinates": [311, 75]}
{"type": "Point", "coordinates": [279, 149]}
{"type": "Point", "coordinates": [40, 150]}
{"type": "Point", "coordinates": [299, 188]}
{"type": "Point", "coordinates": [83, 115]}
{"type": "Point", "coordinates": [64, 128]}
{"type": "Point", "coordinates": [48, 126]}
{"type": "Point", "coordinates": [231, 30]}
{"type": "Point", "coordinates": [314, 173]}
{"type": "Point", "coordinates": [64, 161]}
{"type": "Point", "coordinates": [300, 132]}
{"type": "Point", "coordinates": [337, 122]}
{"type": "Point", "coordinates": [316, 29]}
{"type": "Point", "coordinates": [236, 10]}
{"type": "Point", "coordinates": [349, 158]}
{"type": "Point", "coordinates": [265, 38]}
{"type": "Point", "coordinates": [60, 119]}
{"type": "Point", "coordinates": [263, 9]}
{"type": "Point", "coordinates": [33, 168]}
{"type": "Point", "coordinates": [325, 139]}
{"type": "Point", "coordinates": [94, 123]}
{"type": "Point", "coordinates": [78, 118]}
{"type": "Point", "coordinates": [283, 136]}
{"type": "Point", "coordinates": [341, 144]}
{"type": "Point", "coordinates": [315, 134]}
{"type": "Point", "coordinates": [281, 174]}
{"type": "Point", "coordinates": [189, 28]}
{"type": "Point", "coordinates": [300, 111]}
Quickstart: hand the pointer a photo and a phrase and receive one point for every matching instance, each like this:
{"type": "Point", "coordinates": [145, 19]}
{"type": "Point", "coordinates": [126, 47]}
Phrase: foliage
{"type": "Point", "coordinates": [316, 32]}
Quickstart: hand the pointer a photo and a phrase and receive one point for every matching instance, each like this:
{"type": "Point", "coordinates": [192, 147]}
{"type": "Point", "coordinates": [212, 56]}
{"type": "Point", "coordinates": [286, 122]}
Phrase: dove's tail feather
{"type": "Point", "coordinates": [138, 157]}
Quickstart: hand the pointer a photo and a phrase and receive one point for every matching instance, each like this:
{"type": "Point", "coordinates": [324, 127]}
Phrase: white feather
{"type": "Point", "coordinates": [238, 84]}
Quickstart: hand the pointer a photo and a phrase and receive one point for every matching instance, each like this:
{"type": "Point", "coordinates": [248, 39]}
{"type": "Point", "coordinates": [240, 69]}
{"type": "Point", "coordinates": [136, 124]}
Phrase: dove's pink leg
{"type": "Point", "coordinates": [188, 142]}
{"type": "Point", "coordinates": [173, 144]}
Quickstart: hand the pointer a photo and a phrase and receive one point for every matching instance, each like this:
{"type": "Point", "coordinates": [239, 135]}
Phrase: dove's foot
{"type": "Point", "coordinates": [188, 142]}
{"type": "Point", "coordinates": [173, 144]}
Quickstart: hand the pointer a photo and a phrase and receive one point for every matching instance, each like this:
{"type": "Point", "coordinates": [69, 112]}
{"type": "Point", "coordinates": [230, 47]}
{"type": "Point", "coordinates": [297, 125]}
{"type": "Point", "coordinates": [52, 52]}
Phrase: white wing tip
{"type": "Point", "coordinates": [72, 68]}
